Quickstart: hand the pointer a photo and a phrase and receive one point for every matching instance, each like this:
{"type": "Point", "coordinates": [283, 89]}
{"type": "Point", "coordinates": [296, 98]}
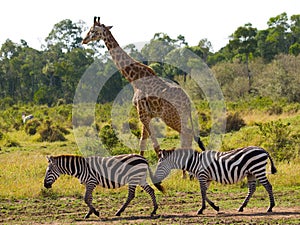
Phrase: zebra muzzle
{"type": "Point", "coordinates": [47, 185]}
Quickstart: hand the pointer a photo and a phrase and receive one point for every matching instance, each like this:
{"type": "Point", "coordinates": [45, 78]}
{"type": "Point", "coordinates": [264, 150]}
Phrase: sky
{"type": "Point", "coordinates": [136, 21]}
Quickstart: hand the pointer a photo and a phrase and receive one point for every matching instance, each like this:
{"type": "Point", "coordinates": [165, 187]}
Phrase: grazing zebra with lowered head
{"type": "Point", "coordinates": [223, 167]}
{"type": "Point", "coordinates": [108, 172]}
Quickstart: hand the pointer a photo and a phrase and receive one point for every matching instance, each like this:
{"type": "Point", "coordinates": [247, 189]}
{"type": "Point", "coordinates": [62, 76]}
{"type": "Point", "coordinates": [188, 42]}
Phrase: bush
{"type": "Point", "coordinates": [134, 127]}
{"type": "Point", "coordinates": [12, 143]}
{"type": "Point", "coordinates": [234, 122]}
{"type": "Point", "coordinates": [51, 133]}
{"type": "Point", "coordinates": [108, 137]}
{"type": "Point", "coordinates": [278, 139]}
{"type": "Point", "coordinates": [275, 110]}
{"type": "Point", "coordinates": [1, 135]}
{"type": "Point", "coordinates": [31, 126]}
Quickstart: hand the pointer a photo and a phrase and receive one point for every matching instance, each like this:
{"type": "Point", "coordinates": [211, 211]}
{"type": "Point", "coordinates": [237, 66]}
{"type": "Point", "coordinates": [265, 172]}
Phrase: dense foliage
{"type": "Point", "coordinates": [257, 62]}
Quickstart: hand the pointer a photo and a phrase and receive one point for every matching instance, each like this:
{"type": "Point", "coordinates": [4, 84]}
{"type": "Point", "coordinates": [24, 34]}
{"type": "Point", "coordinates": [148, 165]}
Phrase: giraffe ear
{"type": "Point", "coordinates": [109, 27]}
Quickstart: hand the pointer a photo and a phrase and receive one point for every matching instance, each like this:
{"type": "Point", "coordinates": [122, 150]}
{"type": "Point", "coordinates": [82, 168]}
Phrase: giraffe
{"type": "Point", "coordinates": [153, 97]}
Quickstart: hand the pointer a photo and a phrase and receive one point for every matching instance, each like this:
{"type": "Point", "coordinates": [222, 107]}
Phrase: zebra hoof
{"type": "Point", "coordinates": [97, 213]}
{"type": "Point", "coordinates": [269, 210]}
{"type": "Point", "coordinates": [200, 211]}
{"type": "Point", "coordinates": [118, 214]}
{"type": "Point", "coordinates": [241, 209]}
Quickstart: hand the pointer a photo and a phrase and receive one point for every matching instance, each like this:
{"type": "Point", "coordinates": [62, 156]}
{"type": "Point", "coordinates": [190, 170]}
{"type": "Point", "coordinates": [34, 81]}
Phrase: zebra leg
{"type": "Point", "coordinates": [88, 198]}
{"type": "Point", "coordinates": [150, 191]}
{"type": "Point", "coordinates": [269, 189]}
{"type": "Point", "coordinates": [251, 190]}
{"type": "Point", "coordinates": [215, 207]}
{"type": "Point", "coordinates": [203, 188]}
{"type": "Point", "coordinates": [131, 194]}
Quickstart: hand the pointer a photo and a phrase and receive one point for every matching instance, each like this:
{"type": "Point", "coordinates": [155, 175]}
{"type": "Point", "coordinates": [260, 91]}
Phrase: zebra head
{"type": "Point", "coordinates": [164, 164]}
{"type": "Point", "coordinates": [52, 172]}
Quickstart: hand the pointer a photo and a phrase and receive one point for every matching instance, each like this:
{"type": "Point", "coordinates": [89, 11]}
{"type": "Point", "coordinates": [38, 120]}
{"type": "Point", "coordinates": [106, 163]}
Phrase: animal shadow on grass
{"type": "Point", "coordinates": [192, 215]}
{"type": "Point", "coordinates": [259, 214]}
{"type": "Point", "coordinates": [133, 218]}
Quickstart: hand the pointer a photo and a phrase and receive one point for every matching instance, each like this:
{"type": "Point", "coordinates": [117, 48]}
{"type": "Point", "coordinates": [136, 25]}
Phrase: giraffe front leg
{"type": "Point", "coordinates": [143, 140]}
{"type": "Point", "coordinates": [154, 140]}
{"type": "Point", "coordinates": [186, 140]}
{"type": "Point", "coordinates": [88, 198]}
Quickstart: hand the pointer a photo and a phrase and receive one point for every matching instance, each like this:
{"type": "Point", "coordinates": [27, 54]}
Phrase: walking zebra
{"type": "Point", "coordinates": [223, 167]}
{"type": "Point", "coordinates": [108, 172]}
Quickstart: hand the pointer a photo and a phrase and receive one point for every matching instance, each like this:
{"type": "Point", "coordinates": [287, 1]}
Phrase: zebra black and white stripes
{"type": "Point", "coordinates": [108, 172]}
{"type": "Point", "coordinates": [224, 167]}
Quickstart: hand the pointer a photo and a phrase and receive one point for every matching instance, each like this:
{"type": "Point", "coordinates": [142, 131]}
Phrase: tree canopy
{"type": "Point", "coordinates": [260, 62]}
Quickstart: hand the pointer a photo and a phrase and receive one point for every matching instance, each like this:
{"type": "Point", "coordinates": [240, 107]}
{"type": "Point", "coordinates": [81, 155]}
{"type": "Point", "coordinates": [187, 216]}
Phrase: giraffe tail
{"type": "Point", "coordinates": [199, 142]}
{"type": "Point", "coordinates": [197, 138]}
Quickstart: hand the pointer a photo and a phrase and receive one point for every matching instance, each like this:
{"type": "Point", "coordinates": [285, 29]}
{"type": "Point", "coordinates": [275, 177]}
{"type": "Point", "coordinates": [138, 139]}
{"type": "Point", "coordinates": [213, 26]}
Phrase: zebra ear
{"type": "Point", "coordinates": [159, 154]}
{"type": "Point", "coordinates": [49, 158]}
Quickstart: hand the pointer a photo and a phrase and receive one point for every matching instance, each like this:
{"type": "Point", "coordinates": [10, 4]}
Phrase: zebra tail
{"type": "Point", "coordinates": [156, 183]}
{"type": "Point", "coordinates": [273, 168]}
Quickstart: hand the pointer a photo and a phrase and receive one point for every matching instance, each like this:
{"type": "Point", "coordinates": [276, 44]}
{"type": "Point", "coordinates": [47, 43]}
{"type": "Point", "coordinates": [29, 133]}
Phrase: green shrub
{"type": "Point", "coordinates": [31, 126]}
{"type": "Point", "coordinates": [278, 139]}
{"type": "Point", "coordinates": [134, 127]}
{"type": "Point", "coordinates": [51, 133]}
{"type": "Point", "coordinates": [234, 122]}
{"type": "Point", "coordinates": [1, 135]}
{"type": "Point", "coordinates": [275, 110]}
{"type": "Point", "coordinates": [108, 137]}
{"type": "Point", "coordinates": [11, 143]}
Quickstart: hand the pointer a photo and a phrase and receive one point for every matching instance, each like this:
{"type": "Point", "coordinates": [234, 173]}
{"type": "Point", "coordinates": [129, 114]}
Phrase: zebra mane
{"type": "Point", "coordinates": [54, 158]}
{"type": "Point", "coordinates": [163, 152]}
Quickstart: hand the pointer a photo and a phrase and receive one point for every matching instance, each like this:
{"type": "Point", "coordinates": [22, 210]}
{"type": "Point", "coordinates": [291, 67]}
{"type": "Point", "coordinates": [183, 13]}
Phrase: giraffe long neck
{"type": "Point", "coordinates": [121, 59]}
{"type": "Point", "coordinates": [131, 69]}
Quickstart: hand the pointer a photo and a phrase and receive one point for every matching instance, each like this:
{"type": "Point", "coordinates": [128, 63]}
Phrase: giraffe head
{"type": "Point", "coordinates": [97, 32]}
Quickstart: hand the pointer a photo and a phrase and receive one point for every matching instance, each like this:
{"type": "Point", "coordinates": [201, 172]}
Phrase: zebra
{"type": "Point", "coordinates": [223, 167]}
{"type": "Point", "coordinates": [108, 172]}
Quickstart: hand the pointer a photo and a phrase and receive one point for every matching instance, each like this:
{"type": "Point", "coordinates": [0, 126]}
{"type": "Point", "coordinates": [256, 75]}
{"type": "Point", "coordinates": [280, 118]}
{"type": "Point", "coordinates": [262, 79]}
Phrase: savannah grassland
{"type": "Point", "coordinates": [24, 200]}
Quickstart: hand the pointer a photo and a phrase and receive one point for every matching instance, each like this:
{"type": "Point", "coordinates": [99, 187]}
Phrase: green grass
{"type": "Point", "coordinates": [24, 200]}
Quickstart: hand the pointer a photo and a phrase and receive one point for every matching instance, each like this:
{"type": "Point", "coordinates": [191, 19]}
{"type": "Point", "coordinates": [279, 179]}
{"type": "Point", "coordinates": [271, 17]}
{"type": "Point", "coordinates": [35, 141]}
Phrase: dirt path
{"type": "Point", "coordinates": [281, 215]}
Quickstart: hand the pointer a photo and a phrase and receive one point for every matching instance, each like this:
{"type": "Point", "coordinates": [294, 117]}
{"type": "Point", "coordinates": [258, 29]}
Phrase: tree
{"type": "Point", "coordinates": [295, 30]}
{"type": "Point", "coordinates": [65, 34]}
{"type": "Point", "coordinates": [276, 39]}
{"type": "Point", "coordinates": [244, 42]}
{"type": "Point", "coordinates": [160, 45]}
